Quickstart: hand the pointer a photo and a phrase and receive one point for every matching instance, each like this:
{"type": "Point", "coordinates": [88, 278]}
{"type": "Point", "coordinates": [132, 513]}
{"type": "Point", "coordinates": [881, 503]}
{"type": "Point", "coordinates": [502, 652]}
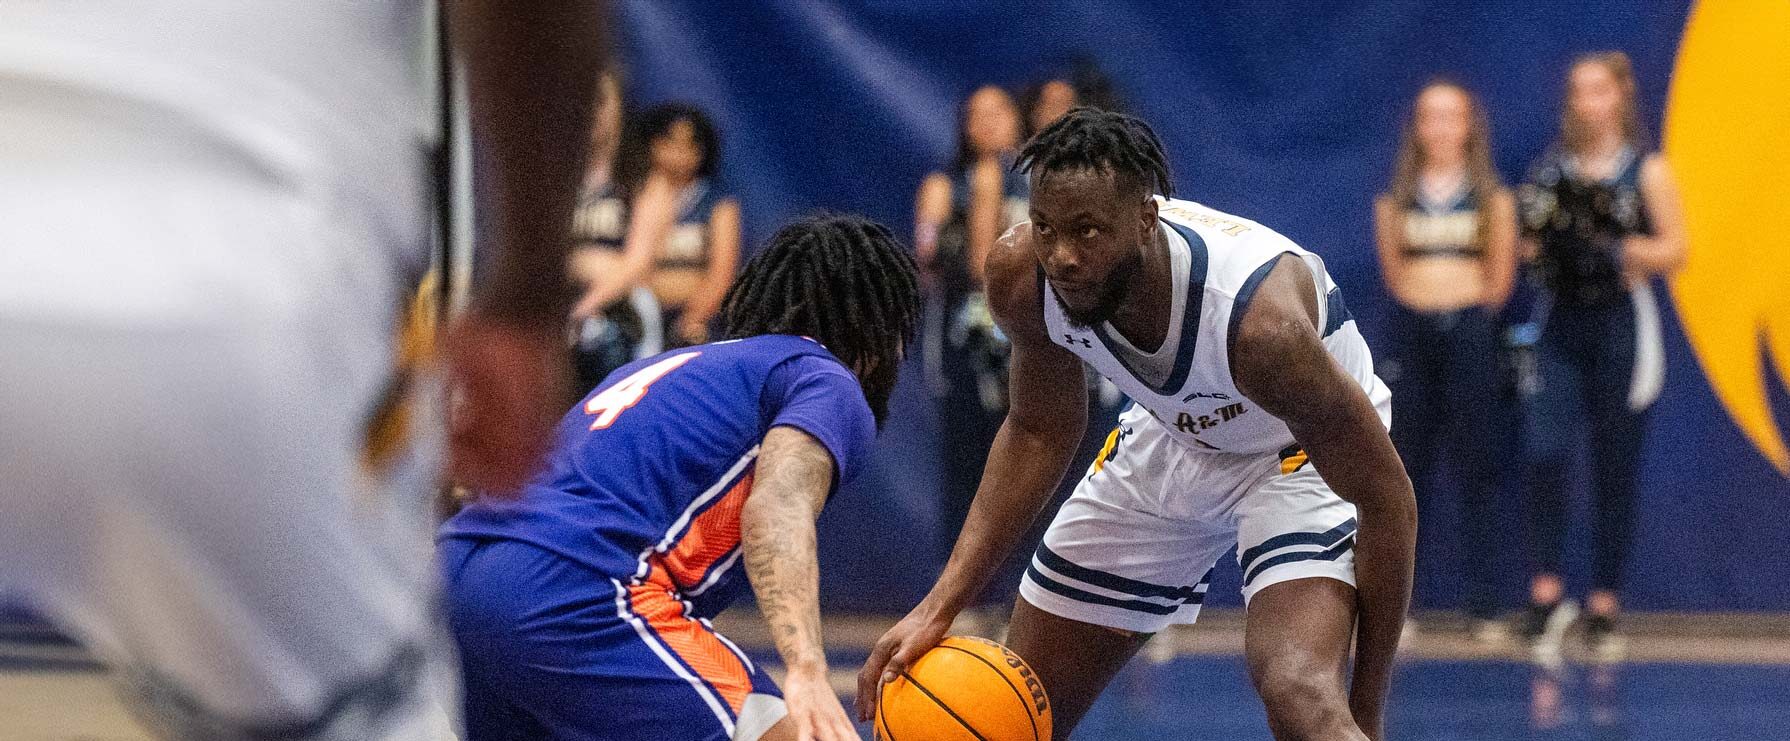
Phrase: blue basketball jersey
{"type": "Point", "coordinates": [649, 472]}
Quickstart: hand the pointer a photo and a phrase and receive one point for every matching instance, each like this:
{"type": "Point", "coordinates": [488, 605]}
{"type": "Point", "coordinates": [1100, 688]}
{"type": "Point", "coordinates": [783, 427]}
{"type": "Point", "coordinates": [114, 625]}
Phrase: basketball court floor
{"type": "Point", "coordinates": [1710, 679]}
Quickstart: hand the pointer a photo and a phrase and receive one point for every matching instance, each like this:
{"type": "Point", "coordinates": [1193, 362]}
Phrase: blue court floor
{"type": "Point", "coordinates": [1209, 697]}
{"type": "Point", "coordinates": [49, 691]}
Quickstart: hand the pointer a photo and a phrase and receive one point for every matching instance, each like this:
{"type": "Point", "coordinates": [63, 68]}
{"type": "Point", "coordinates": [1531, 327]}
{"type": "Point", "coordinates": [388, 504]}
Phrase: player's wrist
{"type": "Point", "coordinates": [943, 603]}
{"type": "Point", "coordinates": [808, 668]}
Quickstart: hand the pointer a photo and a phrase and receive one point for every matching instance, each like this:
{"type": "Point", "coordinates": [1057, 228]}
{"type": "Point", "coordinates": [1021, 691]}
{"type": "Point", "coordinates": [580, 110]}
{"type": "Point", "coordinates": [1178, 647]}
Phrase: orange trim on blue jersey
{"type": "Point", "coordinates": [710, 537]}
{"type": "Point", "coordinates": [655, 601]}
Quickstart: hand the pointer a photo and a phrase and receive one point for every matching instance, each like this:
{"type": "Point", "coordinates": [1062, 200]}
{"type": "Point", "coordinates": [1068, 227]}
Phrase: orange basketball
{"type": "Point", "coordinates": [963, 690]}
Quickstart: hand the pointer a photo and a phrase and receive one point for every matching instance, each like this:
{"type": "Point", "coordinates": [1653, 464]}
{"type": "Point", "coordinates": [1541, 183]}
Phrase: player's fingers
{"type": "Point", "coordinates": [910, 652]}
{"type": "Point", "coordinates": [840, 727]}
{"type": "Point", "coordinates": [871, 676]}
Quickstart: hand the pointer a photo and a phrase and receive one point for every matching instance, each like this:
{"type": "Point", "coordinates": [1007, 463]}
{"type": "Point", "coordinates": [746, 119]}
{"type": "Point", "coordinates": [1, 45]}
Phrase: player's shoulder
{"type": "Point", "coordinates": [1012, 255]}
{"type": "Point", "coordinates": [1235, 247]}
{"type": "Point", "coordinates": [1012, 268]}
{"type": "Point", "coordinates": [1220, 227]}
{"type": "Point", "coordinates": [748, 360]}
{"type": "Point", "coordinates": [769, 350]}
{"type": "Point", "coordinates": [1014, 280]}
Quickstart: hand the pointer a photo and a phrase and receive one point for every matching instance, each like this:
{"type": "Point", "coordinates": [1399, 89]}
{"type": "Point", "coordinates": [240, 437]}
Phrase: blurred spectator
{"type": "Point", "coordinates": [1446, 229]}
{"type": "Point", "coordinates": [1084, 84]}
{"type": "Point", "coordinates": [1601, 218]}
{"type": "Point", "coordinates": [615, 322]}
{"type": "Point", "coordinates": [684, 229]}
{"type": "Point", "coordinates": [958, 214]}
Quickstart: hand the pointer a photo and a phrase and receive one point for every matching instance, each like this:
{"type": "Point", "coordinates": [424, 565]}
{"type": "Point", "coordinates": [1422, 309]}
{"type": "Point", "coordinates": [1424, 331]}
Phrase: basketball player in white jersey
{"type": "Point", "coordinates": [213, 210]}
{"type": "Point", "coordinates": [1258, 424]}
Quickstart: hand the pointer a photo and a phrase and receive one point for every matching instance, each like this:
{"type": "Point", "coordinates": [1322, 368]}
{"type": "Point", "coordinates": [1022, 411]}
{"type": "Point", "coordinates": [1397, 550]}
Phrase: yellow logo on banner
{"type": "Point", "coordinates": [1728, 139]}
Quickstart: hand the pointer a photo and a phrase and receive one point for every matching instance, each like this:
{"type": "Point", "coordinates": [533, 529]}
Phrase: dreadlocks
{"type": "Point", "coordinates": [1093, 139]}
{"type": "Point", "coordinates": [842, 280]}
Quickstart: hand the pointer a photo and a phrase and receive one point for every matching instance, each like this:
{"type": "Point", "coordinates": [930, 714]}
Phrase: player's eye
{"type": "Point", "coordinates": [1044, 230]}
{"type": "Point", "coordinates": [1090, 232]}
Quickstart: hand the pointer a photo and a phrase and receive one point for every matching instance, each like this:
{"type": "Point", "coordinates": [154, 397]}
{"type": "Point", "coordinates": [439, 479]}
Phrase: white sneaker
{"type": "Point", "coordinates": [1546, 627]}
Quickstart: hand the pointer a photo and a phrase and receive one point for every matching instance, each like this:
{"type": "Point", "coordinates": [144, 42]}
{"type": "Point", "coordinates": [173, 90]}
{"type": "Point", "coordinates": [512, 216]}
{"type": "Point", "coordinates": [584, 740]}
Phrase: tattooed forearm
{"type": "Point", "coordinates": [777, 539]}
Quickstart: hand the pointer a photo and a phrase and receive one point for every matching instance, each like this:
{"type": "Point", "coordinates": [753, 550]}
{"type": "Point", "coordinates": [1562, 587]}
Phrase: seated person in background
{"type": "Point", "coordinates": [581, 603]}
{"type": "Point", "coordinates": [614, 323]}
{"type": "Point", "coordinates": [666, 173]}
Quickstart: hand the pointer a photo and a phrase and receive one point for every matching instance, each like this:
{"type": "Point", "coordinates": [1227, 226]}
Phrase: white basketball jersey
{"type": "Point", "coordinates": [199, 103]}
{"type": "Point", "coordinates": [1198, 402]}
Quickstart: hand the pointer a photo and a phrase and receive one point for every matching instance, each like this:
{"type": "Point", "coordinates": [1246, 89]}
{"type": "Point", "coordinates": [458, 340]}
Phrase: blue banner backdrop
{"type": "Point", "coordinates": [1283, 112]}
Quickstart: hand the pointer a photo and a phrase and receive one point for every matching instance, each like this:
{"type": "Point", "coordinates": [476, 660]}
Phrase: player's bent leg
{"type": "Point", "coordinates": [1113, 570]}
{"type": "Point", "coordinates": [1296, 547]}
{"type": "Point", "coordinates": [1297, 645]}
{"type": "Point", "coordinates": [1074, 660]}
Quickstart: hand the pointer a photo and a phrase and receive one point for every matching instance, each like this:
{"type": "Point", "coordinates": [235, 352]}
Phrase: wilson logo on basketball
{"type": "Point", "coordinates": [1040, 701]}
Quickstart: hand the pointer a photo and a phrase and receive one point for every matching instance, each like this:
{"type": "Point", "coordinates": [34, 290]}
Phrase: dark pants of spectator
{"type": "Point", "coordinates": [1586, 367]}
{"type": "Point", "coordinates": [1449, 402]}
{"type": "Point", "coordinates": [967, 428]}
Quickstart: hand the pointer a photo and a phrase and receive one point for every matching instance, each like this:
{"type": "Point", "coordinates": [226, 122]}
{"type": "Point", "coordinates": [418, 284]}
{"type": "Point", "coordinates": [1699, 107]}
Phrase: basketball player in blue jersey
{"type": "Point", "coordinates": [581, 603]}
{"type": "Point", "coordinates": [1258, 424]}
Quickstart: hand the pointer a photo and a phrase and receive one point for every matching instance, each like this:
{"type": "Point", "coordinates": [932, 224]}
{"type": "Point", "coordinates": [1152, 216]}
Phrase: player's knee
{"type": "Point", "coordinates": [1304, 705]}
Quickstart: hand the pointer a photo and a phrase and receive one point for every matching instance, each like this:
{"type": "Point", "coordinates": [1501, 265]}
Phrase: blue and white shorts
{"type": "Point", "coordinates": [1134, 547]}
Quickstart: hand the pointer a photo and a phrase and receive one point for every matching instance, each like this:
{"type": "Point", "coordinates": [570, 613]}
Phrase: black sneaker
{"type": "Point", "coordinates": [1543, 626]}
{"type": "Point", "coordinates": [1603, 640]}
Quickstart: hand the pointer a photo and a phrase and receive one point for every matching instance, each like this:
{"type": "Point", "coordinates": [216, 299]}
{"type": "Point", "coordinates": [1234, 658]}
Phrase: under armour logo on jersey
{"type": "Point", "coordinates": [1071, 340]}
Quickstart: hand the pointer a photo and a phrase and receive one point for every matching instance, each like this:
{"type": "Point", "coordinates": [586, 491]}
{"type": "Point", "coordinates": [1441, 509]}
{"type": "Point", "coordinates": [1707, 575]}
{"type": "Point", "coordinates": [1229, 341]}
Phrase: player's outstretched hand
{"type": "Point", "coordinates": [897, 650]}
{"type": "Point", "coordinates": [814, 709]}
{"type": "Point", "coordinates": [508, 383]}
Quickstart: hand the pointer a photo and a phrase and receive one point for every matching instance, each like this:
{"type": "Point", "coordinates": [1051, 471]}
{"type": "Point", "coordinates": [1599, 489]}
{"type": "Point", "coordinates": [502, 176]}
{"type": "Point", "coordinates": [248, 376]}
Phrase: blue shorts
{"type": "Point", "coordinates": [552, 649]}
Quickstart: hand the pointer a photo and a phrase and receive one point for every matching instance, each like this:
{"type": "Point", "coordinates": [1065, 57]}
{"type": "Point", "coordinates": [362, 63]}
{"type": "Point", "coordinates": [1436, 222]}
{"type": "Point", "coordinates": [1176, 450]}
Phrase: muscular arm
{"type": "Point", "coordinates": [1664, 252]}
{"type": "Point", "coordinates": [1279, 362]}
{"type": "Point", "coordinates": [1046, 416]}
{"type": "Point", "coordinates": [777, 540]}
{"type": "Point", "coordinates": [1047, 410]}
{"type": "Point", "coordinates": [529, 70]}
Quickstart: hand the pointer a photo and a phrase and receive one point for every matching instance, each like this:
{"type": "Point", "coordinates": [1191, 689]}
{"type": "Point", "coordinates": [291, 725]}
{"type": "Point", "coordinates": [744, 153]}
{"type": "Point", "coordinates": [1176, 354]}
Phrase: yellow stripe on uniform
{"type": "Point", "coordinates": [1106, 451]}
{"type": "Point", "coordinates": [1292, 462]}
{"type": "Point", "coordinates": [388, 428]}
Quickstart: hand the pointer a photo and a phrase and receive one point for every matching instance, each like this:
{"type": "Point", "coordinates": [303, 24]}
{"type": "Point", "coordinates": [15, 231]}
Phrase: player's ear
{"type": "Point", "coordinates": [1147, 216]}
